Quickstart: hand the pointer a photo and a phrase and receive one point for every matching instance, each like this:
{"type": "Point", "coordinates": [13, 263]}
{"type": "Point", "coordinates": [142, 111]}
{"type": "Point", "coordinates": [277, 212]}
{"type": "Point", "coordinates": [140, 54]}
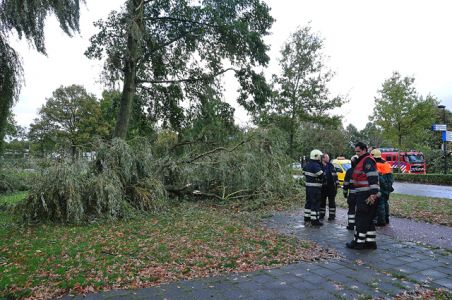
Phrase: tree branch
{"type": "Point", "coordinates": [203, 77]}
{"type": "Point", "coordinates": [213, 151]}
{"type": "Point", "coordinates": [173, 19]}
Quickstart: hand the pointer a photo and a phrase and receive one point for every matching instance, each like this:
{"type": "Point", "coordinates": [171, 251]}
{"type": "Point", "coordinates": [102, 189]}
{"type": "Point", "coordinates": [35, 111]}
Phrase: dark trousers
{"type": "Point", "coordinates": [313, 195]}
{"type": "Point", "coordinates": [351, 214]}
{"type": "Point", "coordinates": [383, 209]}
{"type": "Point", "coordinates": [331, 203]}
{"type": "Point", "coordinates": [365, 227]}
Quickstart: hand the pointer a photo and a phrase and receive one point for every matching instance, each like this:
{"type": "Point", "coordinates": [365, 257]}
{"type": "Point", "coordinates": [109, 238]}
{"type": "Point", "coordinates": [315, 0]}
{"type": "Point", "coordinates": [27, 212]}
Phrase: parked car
{"type": "Point", "coordinates": [341, 165]}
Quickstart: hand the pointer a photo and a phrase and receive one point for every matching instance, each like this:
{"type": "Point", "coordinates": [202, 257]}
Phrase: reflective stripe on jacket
{"type": "Point", "coordinates": [314, 174]}
{"type": "Point", "coordinates": [365, 175]}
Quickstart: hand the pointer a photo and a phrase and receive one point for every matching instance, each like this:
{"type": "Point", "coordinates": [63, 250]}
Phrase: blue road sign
{"type": "Point", "coordinates": [447, 136]}
{"type": "Point", "coordinates": [439, 127]}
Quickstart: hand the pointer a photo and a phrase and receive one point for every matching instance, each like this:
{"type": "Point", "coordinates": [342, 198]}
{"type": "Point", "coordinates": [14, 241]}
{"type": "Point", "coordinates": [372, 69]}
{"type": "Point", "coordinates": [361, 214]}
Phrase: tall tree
{"type": "Point", "coordinates": [26, 17]}
{"type": "Point", "coordinates": [372, 135]}
{"type": "Point", "coordinates": [165, 50]}
{"type": "Point", "coordinates": [400, 111]}
{"type": "Point", "coordinates": [71, 118]}
{"type": "Point", "coordinates": [302, 92]}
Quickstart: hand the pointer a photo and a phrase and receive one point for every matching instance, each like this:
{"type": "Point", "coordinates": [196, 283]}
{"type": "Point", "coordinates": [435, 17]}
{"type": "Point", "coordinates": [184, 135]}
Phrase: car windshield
{"type": "Point", "coordinates": [415, 158]}
{"type": "Point", "coordinates": [346, 166]}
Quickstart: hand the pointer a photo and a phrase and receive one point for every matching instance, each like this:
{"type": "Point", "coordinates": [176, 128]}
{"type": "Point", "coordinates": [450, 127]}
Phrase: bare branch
{"type": "Point", "coordinates": [204, 77]}
{"type": "Point", "coordinates": [214, 151]}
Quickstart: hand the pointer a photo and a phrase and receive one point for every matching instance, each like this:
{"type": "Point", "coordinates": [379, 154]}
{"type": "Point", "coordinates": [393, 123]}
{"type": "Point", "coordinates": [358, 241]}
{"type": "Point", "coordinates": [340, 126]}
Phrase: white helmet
{"type": "Point", "coordinates": [316, 154]}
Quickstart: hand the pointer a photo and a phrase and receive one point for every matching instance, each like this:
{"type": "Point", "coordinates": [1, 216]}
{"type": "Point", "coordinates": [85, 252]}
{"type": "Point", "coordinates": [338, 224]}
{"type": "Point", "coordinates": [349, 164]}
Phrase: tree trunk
{"type": "Point", "coordinates": [130, 70]}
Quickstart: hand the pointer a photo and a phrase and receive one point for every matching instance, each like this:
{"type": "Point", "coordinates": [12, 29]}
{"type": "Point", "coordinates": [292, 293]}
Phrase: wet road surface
{"type": "Point", "coordinates": [426, 190]}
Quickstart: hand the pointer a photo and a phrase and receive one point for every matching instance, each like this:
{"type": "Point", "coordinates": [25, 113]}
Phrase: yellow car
{"type": "Point", "coordinates": [341, 165]}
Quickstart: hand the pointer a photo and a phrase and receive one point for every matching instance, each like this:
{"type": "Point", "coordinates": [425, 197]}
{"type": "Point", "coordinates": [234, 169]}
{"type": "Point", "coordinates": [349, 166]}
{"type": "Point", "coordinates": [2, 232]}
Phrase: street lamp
{"type": "Point", "coordinates": [443, 107]}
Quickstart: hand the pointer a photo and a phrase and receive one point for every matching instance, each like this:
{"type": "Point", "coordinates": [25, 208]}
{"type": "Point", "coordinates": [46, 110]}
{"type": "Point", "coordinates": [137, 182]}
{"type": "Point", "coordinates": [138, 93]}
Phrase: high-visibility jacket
{"type": "Point", "coordinates": [365, 177]}
{"type": "Point", "coordinates": [384, 168]}
{"type": "Point", "coordinates": [386, 178]}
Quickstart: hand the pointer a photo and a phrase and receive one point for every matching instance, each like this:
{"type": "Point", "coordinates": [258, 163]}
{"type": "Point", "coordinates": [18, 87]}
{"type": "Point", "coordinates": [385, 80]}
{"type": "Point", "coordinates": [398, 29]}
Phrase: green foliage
{"type": "Point", "coordinates": [71, 119]}
{"type": "Point", "coordinates": [141, 123]}
{"type": "Point", "coordinates": [27, 18]}
{"type": "Point", "coordinates": [404, 116]}
{"type": "Point", "coordinates": [170, 51]}
{"type": "Point", "coordinates": [315, 136]}
{"type": "Point", "coordinates": [252, 168]}
{"type": "Point", "coordinates": [10, 82]}
{"type": "Point", "coordinates": [425, 178]}
{"type": "Point", "coordinates": [13, 180]}
{"type": "Point", "coordinates": [301, 92]}
{"type": "Point", "coordinates": [114, 185]}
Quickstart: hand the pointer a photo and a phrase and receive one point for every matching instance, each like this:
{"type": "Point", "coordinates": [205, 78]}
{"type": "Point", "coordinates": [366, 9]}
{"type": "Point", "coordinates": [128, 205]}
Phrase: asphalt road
{"type": "Point", "coordinates": [427, 190]}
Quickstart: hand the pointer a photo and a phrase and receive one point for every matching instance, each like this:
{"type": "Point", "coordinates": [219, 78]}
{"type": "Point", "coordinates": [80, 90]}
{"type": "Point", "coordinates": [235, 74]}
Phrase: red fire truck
{"type": "Point", "coordinates": [410, 161]}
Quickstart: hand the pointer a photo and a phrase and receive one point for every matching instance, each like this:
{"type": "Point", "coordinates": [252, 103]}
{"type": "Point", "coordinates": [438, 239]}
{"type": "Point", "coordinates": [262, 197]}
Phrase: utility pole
{"type": "Point", "coordinates": [443, 107]}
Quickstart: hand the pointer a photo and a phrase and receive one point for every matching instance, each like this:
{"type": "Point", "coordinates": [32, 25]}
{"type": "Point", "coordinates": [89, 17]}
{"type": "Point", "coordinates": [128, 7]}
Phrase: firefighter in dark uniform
{"type": "Point", "coordinates": [314, 177]}
{"type": "Point", "coordinates": [350, 194]}
{"type": "Point", "coordinates": [365, 182]}
{"type": "Point", "coordinates": [386, 180]}
{"type": "Point", "coordinates": [329, 188]}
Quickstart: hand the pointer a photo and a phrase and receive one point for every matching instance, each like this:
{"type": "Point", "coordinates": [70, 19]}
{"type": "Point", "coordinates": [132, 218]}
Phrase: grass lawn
{"type": "Point", "coordinates": [185, 242]}
{"type": "Point", "coordinates": [432, 210]}
{"type": "Point", "coordinates": [13, 198]}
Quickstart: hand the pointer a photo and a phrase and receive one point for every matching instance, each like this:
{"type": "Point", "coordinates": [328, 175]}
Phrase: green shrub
{"type": "Point", "coordinates": [425, 178]}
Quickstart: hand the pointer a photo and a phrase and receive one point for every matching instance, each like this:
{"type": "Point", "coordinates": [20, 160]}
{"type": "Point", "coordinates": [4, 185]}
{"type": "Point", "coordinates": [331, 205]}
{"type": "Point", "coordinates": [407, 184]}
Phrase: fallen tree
{"type": "Point", "coordinates": [125, 178]}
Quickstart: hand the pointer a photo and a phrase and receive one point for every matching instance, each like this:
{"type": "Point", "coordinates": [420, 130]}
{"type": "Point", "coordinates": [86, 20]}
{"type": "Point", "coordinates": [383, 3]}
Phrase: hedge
{"type": "Point", "coordinates": [441, 179]}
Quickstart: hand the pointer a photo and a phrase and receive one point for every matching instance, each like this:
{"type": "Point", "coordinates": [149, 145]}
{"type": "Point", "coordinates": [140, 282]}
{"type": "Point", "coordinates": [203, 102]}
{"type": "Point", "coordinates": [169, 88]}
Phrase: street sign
{"type": "Point", "coordinates": [439, 127]}
{"type": "Point", "coordinates": [447, 136]}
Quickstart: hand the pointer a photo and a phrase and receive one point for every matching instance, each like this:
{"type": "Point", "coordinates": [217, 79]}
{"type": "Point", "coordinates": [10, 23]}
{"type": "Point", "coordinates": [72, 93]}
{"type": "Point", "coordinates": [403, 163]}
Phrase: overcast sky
{"type": "Point", "coordinates": [365, 41]}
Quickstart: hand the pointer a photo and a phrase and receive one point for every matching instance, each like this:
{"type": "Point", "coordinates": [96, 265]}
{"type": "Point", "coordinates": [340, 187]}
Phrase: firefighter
{"type": "Point", "coordinates": [386, 180]}
{"type": "Point", "coordinates": [314, 178]}
{"type": "Point", "coordinates": [365, 182]}
{"type": "Point", "coordinates": [329, 188]}
{"type": "Point", "coordinates": [349, 194]}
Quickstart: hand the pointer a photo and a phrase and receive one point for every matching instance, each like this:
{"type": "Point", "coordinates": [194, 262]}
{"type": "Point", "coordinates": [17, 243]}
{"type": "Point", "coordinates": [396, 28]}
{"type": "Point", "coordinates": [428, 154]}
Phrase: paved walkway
{"type": "Point", "coordinates": [396, 266]}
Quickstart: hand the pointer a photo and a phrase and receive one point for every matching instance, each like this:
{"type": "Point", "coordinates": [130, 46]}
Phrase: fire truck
{"type": "Point", "coordinates": [412, 161]}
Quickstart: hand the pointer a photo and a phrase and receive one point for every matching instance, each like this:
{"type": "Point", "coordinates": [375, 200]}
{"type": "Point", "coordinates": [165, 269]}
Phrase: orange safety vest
{"type": "Point", "coordinates": [384, 168]}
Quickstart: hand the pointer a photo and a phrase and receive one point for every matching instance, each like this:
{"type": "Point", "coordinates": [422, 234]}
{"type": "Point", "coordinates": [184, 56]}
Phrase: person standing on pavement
{"type": "Point", "coordinates": [365, 182]}
{"type": "Point", "coordinates": [329, 188]}
{"type": "Point", "coordinates": [350, 194]}
{"type": "Point", "coordinates": [386, 180]}
{"type": "Point", "coordinates": [314, 177]}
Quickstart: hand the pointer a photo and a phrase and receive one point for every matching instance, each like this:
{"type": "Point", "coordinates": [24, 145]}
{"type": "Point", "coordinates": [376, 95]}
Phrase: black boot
{"type": "Point", "coordinates": [355, 245]}
{"type": "Point", "coordinates": [307, 220]}
{"type": "Point", "coordinates": [371, 245]}
{"type": "Point", "coordinates": [316, 223]}
{"type": "Point", "coordinates": [350, 227]}
{"type": "Point", "coordinates": [331, 218]}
